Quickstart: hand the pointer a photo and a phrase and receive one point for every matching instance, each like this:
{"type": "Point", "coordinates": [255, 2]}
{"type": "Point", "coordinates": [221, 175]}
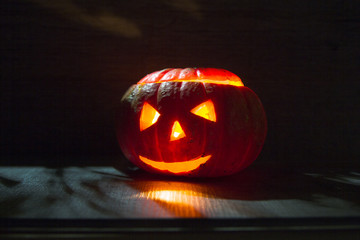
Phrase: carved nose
{"type": "Point", "coordinates": [177, 132]}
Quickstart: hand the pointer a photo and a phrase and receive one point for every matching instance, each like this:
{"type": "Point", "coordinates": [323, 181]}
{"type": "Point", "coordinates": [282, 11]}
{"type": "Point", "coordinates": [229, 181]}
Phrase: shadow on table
{"type": "Point", "coordinates": [130, 192]}
{"type": "Point", "coordinates": [257, 183]}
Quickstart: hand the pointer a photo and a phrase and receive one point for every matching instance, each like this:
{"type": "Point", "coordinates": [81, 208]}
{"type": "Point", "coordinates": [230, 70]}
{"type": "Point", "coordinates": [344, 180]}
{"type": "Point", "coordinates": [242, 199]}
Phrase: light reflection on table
{"type": "Point", "coordinates": [105, 192]}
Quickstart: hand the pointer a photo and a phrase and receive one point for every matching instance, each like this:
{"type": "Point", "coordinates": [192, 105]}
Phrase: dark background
{"type": "Point", "coordinates": [65, 65]}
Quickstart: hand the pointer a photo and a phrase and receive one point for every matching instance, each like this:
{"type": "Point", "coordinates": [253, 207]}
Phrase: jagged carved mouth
{"type": "Point", "coordinates": [177, 167]}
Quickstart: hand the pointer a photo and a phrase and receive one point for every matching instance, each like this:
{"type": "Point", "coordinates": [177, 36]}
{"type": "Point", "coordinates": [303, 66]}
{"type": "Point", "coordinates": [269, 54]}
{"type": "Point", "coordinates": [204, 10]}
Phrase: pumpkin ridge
{"type": "Point", "coordinates": [157, 131]}
{"type": "Point", "coordinates": [252, 119]}
{"type": "Point", "coordinates": [245, 159]}
{"type": "Point", "coordinates": [204, 143]}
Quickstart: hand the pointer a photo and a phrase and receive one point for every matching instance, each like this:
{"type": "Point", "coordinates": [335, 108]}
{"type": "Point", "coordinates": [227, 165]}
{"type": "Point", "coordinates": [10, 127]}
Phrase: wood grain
{"type": "Point", "coordinates": [105, 192]}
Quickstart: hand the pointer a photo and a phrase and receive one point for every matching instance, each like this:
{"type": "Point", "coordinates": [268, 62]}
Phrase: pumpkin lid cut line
{"type": "Point", "coordinates": [220, 82]}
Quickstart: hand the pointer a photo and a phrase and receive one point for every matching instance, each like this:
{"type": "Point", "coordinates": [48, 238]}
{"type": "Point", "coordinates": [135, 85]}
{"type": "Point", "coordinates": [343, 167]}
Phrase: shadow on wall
{"type": "Point", "coordinates": [103, 17]}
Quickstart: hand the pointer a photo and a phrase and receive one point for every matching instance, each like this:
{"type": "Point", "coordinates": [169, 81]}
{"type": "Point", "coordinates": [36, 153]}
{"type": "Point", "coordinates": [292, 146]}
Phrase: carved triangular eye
{"type": "Point", "coordinates": [205, 110]}
{"type": "Point", "coordinates": [148, 117]}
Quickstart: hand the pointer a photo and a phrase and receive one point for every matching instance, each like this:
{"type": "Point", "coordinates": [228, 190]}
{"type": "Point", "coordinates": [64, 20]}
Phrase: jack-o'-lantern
{"type": "Point", "coordinates": [200, 122]}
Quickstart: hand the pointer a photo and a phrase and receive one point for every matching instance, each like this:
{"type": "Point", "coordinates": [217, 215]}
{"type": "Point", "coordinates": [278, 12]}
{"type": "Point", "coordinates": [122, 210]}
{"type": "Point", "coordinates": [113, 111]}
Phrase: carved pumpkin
{"type": "Point", "coordinates": [200, 122]}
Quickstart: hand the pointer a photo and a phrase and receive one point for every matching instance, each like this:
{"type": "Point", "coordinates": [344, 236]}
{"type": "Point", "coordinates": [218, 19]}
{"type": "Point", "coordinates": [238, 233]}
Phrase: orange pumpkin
{"type": "Point", "coordinates": [199, 122]}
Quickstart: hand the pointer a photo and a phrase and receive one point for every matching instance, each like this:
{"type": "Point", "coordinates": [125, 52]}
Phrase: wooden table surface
{"type": "Point", "coordinates": [108, 194]}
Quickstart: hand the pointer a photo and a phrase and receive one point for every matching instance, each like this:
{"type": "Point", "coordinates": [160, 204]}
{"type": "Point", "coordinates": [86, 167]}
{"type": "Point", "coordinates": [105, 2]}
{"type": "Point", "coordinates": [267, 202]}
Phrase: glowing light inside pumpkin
{"type": "Point", "coordinates": [177, 167]}
{"type": "Point", "coordinates": [205, 110]}
{"type": "Point", "coordinates": [148, 117]}
{"type": "Point", "coordinates": [177, 132]}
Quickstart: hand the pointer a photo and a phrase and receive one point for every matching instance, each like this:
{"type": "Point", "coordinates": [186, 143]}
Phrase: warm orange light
{"type": "Point", "coordinates": [177, 167]}
{"type": "Point", "coordinates": [148, 117]}
{"type": "Point", "coordinates": [176, 132]}
{"type": "Point", "coordinates": [205, 110]}
{"type": "Point", "coordinates": [222, 82]}
{"type": "Point", "coordinates": [172, 196]}
{"type": "Point", "coordinates": [177, 202]}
